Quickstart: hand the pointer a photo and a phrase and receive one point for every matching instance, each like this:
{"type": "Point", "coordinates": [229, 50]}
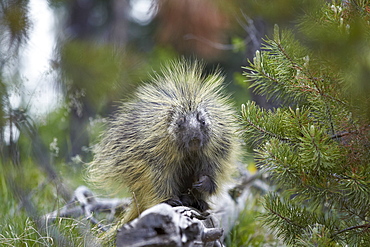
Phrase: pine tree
{"type": "Point", "coordinates": [316, 145]}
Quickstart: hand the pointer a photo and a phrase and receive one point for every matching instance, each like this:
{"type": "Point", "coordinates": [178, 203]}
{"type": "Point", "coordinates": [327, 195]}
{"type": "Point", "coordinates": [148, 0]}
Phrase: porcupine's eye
{"type": "Point", "coordinates": [181, 121]}
{"type": "Point", "coordinates": [201, 119]}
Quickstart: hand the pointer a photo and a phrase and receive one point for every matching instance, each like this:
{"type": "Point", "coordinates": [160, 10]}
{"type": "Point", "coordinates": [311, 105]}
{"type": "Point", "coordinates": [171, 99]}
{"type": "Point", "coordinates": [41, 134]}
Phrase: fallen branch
{"type": "Point", "coordinates": [85, 204]}
{"type": "Point", "coordinates": [163, 225]}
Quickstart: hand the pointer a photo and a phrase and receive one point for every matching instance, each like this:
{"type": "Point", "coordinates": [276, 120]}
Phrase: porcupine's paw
{"type": "Point", "coordinates": [201, 205]}
{"type": "Point", "coordinates": [205, 184]}
{"type": "Point", "coordinates": [190, 201]}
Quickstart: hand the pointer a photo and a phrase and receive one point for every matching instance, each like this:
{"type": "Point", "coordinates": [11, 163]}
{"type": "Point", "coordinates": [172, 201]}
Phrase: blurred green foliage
{"type": "Point", "coordinates": [92, 69]}
{"type": "Point", "coordinates": [249, 231]}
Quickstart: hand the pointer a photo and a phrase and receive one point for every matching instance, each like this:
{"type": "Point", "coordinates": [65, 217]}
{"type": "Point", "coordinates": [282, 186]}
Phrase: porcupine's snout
{"type": "Point", "coordinates": [192, 128]}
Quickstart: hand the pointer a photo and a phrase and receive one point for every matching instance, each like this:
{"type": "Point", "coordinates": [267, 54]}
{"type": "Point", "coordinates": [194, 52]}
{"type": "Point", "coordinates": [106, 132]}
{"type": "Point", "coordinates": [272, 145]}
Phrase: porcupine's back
{"type": "Point", "coordinates": [142, 148]}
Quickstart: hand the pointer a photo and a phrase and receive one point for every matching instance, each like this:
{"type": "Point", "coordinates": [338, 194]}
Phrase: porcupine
{"type": "Point", "coordinates": [174, 141]}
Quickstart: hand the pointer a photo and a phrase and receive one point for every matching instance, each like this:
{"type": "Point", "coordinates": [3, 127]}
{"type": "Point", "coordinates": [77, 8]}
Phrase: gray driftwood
{"type": "Point", "coordinates": [163, 225]}
{"type": "Point", "coordinates": [85, 204]}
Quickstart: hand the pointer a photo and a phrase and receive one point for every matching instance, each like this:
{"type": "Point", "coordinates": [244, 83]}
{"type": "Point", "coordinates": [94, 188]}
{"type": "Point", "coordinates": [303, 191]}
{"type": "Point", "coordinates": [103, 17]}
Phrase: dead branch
{"type": "Point", "coordinates": [85, 204]}
{"type": "Point", "coordinates": [163, 225]}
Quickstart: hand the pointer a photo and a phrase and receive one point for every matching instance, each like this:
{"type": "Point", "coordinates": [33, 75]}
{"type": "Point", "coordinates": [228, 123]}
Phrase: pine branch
{"type": "Point", "coordinates": [283, 75]}
{"type": "Point", "coordinates": [278, 159]}
{"type": "Point", "coordinates": [307, 88]}
{"type": "Point", "coordinates": [261, 125]}
{"type": "Point", "coordinates": [365, 226]}
{"type": "Point", "coordinates": [346, 133]}
{"type": "Point", "coordinates": [265, 132]}
{"type": "Point", "coordinates": [287, 220]}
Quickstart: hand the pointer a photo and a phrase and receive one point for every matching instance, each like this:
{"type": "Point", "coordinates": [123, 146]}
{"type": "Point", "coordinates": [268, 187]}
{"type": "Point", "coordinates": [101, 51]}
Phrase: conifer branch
{"type": "Point", "coordinates": [286, 219]}
{"type": "Point", "coordinates": [330, 116]}
{"type": "Point", "coordinates": [342, 134]}
{"type": "Point", "coordinates": [255, 127]}
{"type": "Point", "coordinates": [293, 64]}
{"type": "Point", "coordinates": [307, 74]}
{"type": "Point", "coordinates": [254, 77]}
{"type": "Point", "coordinates": [353, 212]}
{"type": "Point", "coordinates": [346, 133]}
{"type": "Point", "coordinates": [307, 88]}
{"type": "Point", "coordinates": [365, 226]}
{"type": "Point", "coordinates": [266, 132]}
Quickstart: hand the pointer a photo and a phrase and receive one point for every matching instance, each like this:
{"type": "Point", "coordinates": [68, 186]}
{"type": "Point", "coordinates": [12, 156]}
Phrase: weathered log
{"type": "Point", "coordinates": [163, 225]}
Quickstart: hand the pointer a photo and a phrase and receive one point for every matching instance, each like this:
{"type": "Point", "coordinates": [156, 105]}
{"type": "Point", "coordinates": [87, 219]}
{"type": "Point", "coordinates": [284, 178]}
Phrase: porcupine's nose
{"type": "Point", "coordinates": [194, 133]}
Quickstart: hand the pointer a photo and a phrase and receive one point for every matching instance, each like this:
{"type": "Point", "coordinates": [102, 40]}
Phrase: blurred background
{"type": "Point", "coordinates": [66, 64]}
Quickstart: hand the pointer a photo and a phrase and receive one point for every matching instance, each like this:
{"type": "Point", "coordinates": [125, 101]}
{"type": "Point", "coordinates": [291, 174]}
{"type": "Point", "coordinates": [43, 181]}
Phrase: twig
{"type": "Point", "coordinates": [345, 133]}
{"type": "Point", "coordinates": [366, 226]}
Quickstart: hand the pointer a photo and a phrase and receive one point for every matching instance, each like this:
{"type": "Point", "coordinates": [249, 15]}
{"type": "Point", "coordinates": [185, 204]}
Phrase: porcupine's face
{"type": "Point", "coordinates": [192, 129]}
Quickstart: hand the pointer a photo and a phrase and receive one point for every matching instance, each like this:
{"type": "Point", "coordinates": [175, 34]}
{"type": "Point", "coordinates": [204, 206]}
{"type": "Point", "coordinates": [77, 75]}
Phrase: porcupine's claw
{"type": "Point", "coordinates": [186, 200]}
{"type": "Point", "coordinates": [191, 201]}
{"type": "Point", "coordinates": [174, 202]}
